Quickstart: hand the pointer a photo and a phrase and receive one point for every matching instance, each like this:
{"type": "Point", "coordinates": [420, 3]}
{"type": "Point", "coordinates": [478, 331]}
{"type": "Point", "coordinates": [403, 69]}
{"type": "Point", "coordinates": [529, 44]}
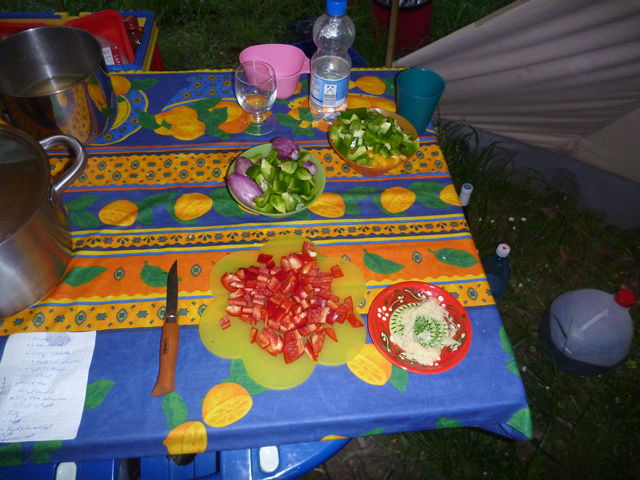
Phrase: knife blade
{"type": "Point", "coordinates": [170, 337]}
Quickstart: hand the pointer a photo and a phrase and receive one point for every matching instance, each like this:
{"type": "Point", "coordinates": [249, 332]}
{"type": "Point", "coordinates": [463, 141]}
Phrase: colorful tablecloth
{"type": "Point", "coordinates": [154, 191]}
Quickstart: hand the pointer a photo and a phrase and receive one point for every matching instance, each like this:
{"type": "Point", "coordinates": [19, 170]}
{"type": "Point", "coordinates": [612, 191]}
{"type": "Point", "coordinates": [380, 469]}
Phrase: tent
{"type": "Point", "coordinates": [560, 76]}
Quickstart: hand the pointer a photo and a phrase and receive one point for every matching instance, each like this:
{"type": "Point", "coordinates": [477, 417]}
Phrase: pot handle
{"type": "Point", "coordinates": [68, 177]}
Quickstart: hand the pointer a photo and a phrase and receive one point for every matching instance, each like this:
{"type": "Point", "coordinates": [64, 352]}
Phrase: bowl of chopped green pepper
{"type": "Point", "coordinates": [276, 182]}
{"type": "Point", "coordinates": [373, 141]}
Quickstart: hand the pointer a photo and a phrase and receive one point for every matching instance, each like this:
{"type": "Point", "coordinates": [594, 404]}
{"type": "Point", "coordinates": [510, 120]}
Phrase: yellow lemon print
{"type": "Point", "coordinates": [226, 403]}
{"type": "Point", "coordinates": [358, 101]}
{"type": "Point", "coordinates": [332, 437]}
{"type": "Point", "coordinates": [372, 85]}
{"type": "Point", "coordinates": [329, 205]}
{"type": "Point", "coordinates": [121, 213]}
{"type": "Point", "coordinates": [299, 102]}
{"type": "Point", "coordinates": [448, 195]}
{"type": "Point", "coordinates": [384, 103]}
{"type": "Point", "coordinates": [96, 93]}
{"type": "Point", "coordinates": [189, 437]}
{"type": "Point", "coordinates": [397, 199]}
{"type": "Point", "coordinates": [370, 366]}
{"type": "Point", "coordinates": [121, 85]}
{"type": "Point", "coordinates": [192, 205]}
{"type": "Point", "coordinates": [295, 106]}
{"type": "Point", "coordinates": [124, 110]}
{"type": "Point", "coordinates": [182, 123]}
{"type": "Point", "coordinates": [235, 114]}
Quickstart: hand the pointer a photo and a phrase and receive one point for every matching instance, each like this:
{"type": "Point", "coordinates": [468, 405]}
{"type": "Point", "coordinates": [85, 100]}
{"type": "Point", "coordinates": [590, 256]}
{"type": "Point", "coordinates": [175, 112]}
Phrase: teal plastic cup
{"type": "Point", "coordinates": [418, 92]}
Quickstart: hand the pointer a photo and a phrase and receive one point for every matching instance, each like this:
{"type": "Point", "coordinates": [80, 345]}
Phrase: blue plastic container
{"type": "Point", "coordinates": [588, 331]}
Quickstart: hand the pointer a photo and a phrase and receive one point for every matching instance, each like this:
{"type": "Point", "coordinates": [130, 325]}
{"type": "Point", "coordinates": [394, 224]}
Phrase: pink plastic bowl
{"type": "Point", "coordinates": [288, 61]}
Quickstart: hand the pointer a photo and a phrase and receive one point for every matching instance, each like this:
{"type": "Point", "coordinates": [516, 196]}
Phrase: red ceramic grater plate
{"type": "Point", "coordinates": [395, 296]}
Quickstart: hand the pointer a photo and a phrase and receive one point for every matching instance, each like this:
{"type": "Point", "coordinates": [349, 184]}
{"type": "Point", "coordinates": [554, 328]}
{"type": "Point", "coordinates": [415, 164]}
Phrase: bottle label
{"type": "Point", "coordinates": [329, 93]}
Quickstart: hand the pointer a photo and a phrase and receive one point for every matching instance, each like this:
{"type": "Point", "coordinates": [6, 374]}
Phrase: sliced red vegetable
{"type": "Point", "coordinates": [254, 334]}
{"type": "Point", "coordinates": [292, 301]}
{"type": "Point", "coordinates": [293, 346]}
{"type": "Point", "coordinates": [230, 282]}
{"type": "Point", "coordinates": [317, 340]}
{"type": "Point", "coordinates": [308, 349]}
{"type": "Point", "coordinates": [309, 248]}
{"type": "Point", "coordinates": [354, 321]}
{"type": "Point", "coordinates": [225, 322]}
{"type": "Point", "coordinates": [331, 333]}
{"type": "Point", "coordinates": [336, 271]}
{"type": "Point", "coordinates": [264, 258]}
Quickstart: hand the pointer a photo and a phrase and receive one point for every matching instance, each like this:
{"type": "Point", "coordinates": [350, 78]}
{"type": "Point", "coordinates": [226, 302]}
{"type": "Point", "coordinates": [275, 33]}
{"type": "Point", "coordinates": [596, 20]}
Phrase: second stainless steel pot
{"type": "Point", "coordinates": [53, 80]}
{"type": "Point", "coordinates": [35, 242]}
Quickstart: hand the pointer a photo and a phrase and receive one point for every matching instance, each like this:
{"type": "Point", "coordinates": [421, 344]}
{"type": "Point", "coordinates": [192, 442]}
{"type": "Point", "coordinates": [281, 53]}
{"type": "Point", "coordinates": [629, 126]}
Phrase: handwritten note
{"type": "Point", "coordinates": [43, 383]}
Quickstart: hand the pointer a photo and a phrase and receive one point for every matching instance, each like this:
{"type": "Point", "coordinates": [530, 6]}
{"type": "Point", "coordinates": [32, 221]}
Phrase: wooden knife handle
{"type": "Point", "coordinates": [168, 357]}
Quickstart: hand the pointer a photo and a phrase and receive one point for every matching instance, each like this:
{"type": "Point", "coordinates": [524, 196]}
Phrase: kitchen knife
{"type": "Point", "coordinates": [170, 337]}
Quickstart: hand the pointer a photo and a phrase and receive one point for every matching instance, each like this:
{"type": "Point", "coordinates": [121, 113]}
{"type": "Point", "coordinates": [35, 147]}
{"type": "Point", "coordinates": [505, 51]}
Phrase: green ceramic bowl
{"type": "Point", "coordinates": [264, 150]}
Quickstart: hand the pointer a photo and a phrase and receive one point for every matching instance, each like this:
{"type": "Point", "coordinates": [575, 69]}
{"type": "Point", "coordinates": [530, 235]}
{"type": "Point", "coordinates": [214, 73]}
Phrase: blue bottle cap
{"type": "Point", "coordinates": [336, 7]}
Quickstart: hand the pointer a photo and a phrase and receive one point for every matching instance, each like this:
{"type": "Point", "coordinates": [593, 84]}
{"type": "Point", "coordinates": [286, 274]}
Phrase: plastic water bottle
{"type": "Point", "coordinates": [588, 331]}
{"type": "Point", "coordinates": [333, 34]}
{"type": "Point", "coordinates": [498, 270]}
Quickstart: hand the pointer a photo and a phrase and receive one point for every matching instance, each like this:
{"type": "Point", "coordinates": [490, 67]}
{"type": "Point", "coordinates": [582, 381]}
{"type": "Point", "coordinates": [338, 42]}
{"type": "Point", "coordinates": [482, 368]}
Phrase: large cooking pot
{"type": "Point", "coordinates": [35, 242]}
{"type": "Point", "coordinates": [53, 80]}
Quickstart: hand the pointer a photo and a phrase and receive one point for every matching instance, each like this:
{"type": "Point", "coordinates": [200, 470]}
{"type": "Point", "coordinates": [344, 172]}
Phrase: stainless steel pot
{"type": "Point", "coordinates": [53, 80]}
{"type": "Point", "coordinates": [35, 242]}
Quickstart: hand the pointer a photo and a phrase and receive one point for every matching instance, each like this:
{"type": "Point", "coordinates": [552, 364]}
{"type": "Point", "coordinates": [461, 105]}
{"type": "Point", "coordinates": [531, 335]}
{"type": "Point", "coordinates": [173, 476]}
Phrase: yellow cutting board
{"type": "Point", "coordinates": [234, 342]}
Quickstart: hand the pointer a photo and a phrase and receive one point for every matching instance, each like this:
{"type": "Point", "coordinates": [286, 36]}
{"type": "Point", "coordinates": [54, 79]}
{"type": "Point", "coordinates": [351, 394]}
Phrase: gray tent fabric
{"type": "Point", "coordinates": [562, 75]}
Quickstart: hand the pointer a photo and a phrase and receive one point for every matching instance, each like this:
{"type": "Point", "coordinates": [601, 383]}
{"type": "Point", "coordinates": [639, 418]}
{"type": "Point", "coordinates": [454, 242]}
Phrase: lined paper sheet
{"type": "Point", "coordinates": [43, 383]}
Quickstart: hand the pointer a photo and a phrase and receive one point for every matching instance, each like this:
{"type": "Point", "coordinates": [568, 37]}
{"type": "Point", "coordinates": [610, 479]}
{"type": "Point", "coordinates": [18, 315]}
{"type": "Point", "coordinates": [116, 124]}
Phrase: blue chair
{"type": "Point", "coordinates": [285, 462]}
{"type": "Point", "coordinates": [267, 463]}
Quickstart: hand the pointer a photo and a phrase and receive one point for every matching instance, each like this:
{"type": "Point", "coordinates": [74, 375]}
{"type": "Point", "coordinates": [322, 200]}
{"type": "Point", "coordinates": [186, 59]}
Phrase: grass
{"type": "Point", "coordinates": [584, 427]}
{"type": "Point", "coordinates": [210, 34]}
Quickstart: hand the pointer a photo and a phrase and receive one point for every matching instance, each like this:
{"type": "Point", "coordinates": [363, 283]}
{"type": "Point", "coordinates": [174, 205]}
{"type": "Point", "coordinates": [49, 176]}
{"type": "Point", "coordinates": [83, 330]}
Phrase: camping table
{"type": "Point", "coordinates": [154, 191]}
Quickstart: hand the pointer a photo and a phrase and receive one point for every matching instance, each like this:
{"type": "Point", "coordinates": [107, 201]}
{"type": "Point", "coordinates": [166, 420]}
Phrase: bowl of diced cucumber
{"type": "Point", "coordinates": [266, 181]}
{"type": "Point", "coordinates": [373, 141]}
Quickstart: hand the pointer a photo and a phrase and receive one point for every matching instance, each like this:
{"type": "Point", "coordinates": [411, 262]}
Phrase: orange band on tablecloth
{"type": "Point", "coordinates": [136, 287]}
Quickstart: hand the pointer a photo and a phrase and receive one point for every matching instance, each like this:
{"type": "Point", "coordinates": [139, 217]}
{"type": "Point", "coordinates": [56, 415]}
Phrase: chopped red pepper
{"type": "Point", "coordinates": [225, 322]}
{"type": "Point", "coordinates": [264, 258]}
{"type": "Point", "coordinates": [331, 333]}
{"type": "Point", "coordinates": [293, 301]}
{"type": "Point", "coordinates": [336, 271]}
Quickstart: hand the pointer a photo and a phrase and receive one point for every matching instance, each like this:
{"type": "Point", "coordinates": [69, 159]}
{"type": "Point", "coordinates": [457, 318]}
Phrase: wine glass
{"type": "Point", "coordinates": [255, 86]}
